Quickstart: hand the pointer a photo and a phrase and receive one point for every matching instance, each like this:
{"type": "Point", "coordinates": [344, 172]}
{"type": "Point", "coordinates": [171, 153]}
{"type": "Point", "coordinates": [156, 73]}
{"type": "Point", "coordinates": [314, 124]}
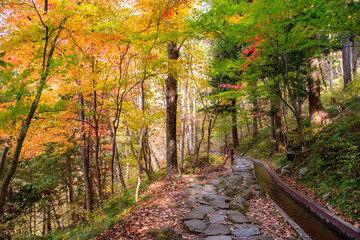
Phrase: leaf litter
{"type": "Point", "coordinates": [166, 207]}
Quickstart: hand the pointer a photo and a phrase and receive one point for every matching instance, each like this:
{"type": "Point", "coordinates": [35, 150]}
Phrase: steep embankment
{"type": "Point", "coordinates": [330, 171]}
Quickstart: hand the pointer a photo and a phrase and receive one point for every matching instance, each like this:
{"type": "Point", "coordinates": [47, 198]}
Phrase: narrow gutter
{"type": "Point", "coordinates": [292, 223]}
{"type": "Point", "coordinates": [344, 228]}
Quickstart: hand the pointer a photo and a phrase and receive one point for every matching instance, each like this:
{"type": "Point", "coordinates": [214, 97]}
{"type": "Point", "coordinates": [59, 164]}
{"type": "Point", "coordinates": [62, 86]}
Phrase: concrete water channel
{"type": "Point", "coordinates": [312, 225]}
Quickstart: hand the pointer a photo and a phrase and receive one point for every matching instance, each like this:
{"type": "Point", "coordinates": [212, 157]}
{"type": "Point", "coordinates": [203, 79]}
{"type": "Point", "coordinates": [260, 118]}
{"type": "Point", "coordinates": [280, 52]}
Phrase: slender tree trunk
{"type": "Point", "coordinates": [171, 104]}
{"type": "Point", "coordinates": [84, 159]}
{"type": "Point", "coordinates": [48, 215]}
{"type": "Point", "coordinates": [272, 120]}
{"type": "Point", "coordinates": [234, 133]}
{"type": "Point", "coordinates": [208, 139]}
{"type": "Point", "coordinates": [183, 125]}
{"type": "Point", "coordinates": [71, 191]}
{"type": "Point", "coordinates": [138, 159]}
{"type": "Point", "coordinates": [346, 59]}
{"type": "Point", "coordinates": [4, 155]}
{"type": "Point", "coordinates": [189, 128]}
{"type": "Point", "coordinates": [330, 72]}
{"type": "Point", "coordinates": [97, 146]}
{"type": "Point", "coordinates": [225, 141]}
{"type": "Point", "coordinates": [330, 66]}
{"type": "Point", "coordinates": [20, 140]}
{"type": "Point", "coordinates": [26, 124]}
{"type": "Point", "coordinates": [194, 123]}
{"type": "Point", "coordinates": [354, 56]}
{"type": "Point", "coordinates": [255, 127]}
{"type": "Point", "coordinates": [44, 222]}
{"type": "Point", "coordinates": [301, 134]}
{"type": "Point", "coordinates": [279, 138]}
{"type": "Point", "coordinates": [128, 171]}
{"type": "Point", "coordinates": [119, 169]}
{"type": "Point", "coordinates": [246, 121]}
{"type": "Point", "coordinates": [115, 156]}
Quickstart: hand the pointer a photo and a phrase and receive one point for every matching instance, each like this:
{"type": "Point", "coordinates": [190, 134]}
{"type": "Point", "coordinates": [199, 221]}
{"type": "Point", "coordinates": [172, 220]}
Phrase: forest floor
{"type": "Point", "coordinates": [307, 192]}
{"type": "Point", "coordinates": [164, 206]}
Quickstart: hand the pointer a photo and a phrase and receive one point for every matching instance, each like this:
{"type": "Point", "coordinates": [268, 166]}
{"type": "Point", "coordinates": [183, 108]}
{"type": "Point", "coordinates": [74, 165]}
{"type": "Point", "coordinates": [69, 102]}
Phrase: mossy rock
{"type": "Point", "coordinates": [164, 233]}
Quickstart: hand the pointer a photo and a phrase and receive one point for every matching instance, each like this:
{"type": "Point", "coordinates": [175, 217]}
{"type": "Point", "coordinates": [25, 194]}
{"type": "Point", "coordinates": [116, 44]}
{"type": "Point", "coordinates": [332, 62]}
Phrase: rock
{"type": "Point", "coordinates": [221, 202]}
{"type": "Point", "coordinates": [198, 213]}
{"type": "Point", "coordinates": [245, 226]}
{"type": "Point", "coordinates": [212, 197]}
{"type": "Point", "coordinates": [238, 203]}
{"type": "Point", "coordinates": [302, 172]}
{"type": "Point", "coordinates": [216, 181]}
{"type": "Point", "coordinates": [246, 232]}
{"type": "Point", "coordinates": [191, 202]}
{"type": "Point", "coordinates": [165, 233]}
{"type": "Point", "coordinates": [195, 185]}
{"type": "Point", "coordinates": [198, 190]}
{"type": "Point", "coordinates": [202, 202]}
{"type": "Point", "coordinates": [238, 218]}
{"type": "Point", "coordinates": [233, 180]}
{"type": "Point", "coordinates": [234, 190]}
{"type": "Point", "coordinates": [259, 237]}
{"type": "Point", "coordinates": [325, 196]}
{"type": "Point", "coordinates": [246, 194]}
{"type": "Point", "coordinates": [216, 218]}
{"type": "Point", "coordinates": [218, 238]}
{"type": "Point", "coordinates": [217, 229]}
{"type": "Point", "coordinates": [194, 225]}
{"type": "Point", "coordinates": [284, 169]}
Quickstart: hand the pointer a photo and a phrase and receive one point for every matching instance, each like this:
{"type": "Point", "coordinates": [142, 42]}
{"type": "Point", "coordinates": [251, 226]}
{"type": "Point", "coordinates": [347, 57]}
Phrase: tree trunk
{"type": "Point", "coordinates": [208, 140]}
{"type": "Point", "coordinates": [330, 72]}
{"type": "Point", "coordinates": [194, 124]}
{"type": "Point", "coordinates": [316, 110]}
{"type": "Point", "coordinates": [26, 124]}
{"type": "Point", "coordinates": [225, 141]}
{"type": "Point", "coordinates": [353, 56]}
{"type": "Point", "coordinates": [84, 159]}
{"type": "Point", "coordinates": [183, 125]}
{"type": "Point", "coordinates": [138, 159]}
{"type": "Point", "coordinates": [171, 104]}
{"type": "Point", "coordinates": [4, 155]}
{"type": "Point", "coordinates": [346, 59]}
{"type": "Point", "coordinates": [234, 124]}
{"type": "Point", "coordinates": [272, 120]}
{"type": "Point", "coordinates": [97, 146]}
{"type": "Point", "coordinates": [330, 66]}
{"type": "Point", "coordinates": [115, 156]}
{"type": "Point", "coordinates": [255, 127]}
{"type": "Point", "coordinates": [301, 107]}
{"type": "Point", "coordinates": [279, 138]}
{"type": "Point", "coordinates": [189, 128]}
{"type": "Point", "coordinates": [118, 168]}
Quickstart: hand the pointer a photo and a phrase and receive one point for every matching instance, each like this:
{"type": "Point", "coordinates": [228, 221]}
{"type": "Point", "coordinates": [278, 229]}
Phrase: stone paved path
{"type": "Point", "coordinates": [217, 207]}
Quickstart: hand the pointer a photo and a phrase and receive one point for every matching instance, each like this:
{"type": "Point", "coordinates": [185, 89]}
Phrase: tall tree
{"type": "Point", "coordinates": [50, 40]}
{"type": "Point", "coordinates": [171, 106]}
{"type": "Point", "coordinates": [234, 129]}
{"type": "Point", "coordinates": [316, 109]}
{"type": "Point", "coordinates": [346, 59]}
